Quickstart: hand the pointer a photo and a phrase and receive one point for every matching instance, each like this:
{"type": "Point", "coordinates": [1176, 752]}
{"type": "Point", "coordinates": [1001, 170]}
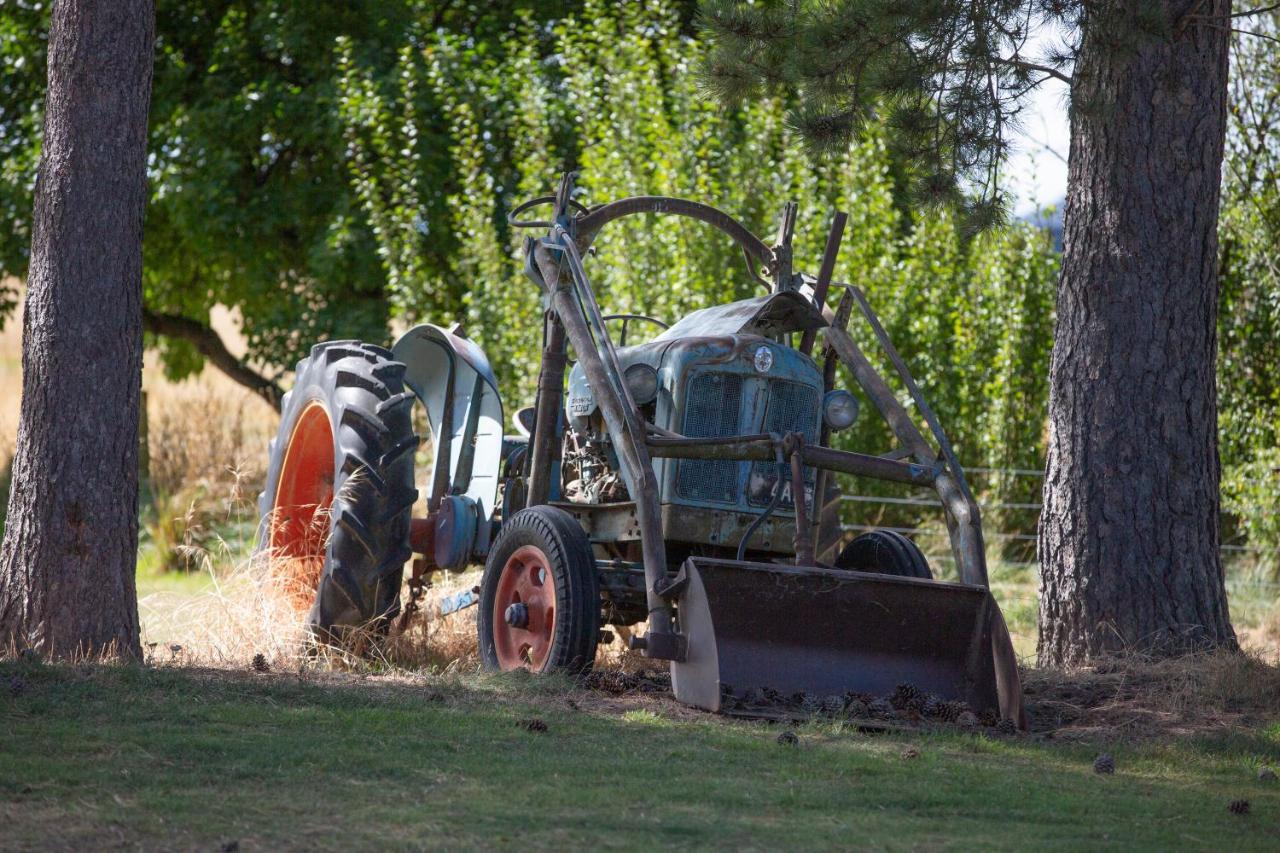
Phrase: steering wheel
{"type": "Point", "coordinates": [537, 202]}
{"type": "Point", "coordinates": [627, 319]}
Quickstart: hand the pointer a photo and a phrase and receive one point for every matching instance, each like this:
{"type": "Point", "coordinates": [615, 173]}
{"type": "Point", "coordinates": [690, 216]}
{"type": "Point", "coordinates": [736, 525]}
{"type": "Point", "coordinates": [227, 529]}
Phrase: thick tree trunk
{"type": "Point", "coordinates": [1129, 531]}
{"type": "Point", "coordinates": [70, 544]}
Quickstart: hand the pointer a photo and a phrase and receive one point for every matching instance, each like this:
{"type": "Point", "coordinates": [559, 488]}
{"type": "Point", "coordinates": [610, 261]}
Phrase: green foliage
{"type": "Point", "coordinates": [1249, 315]}
{"type": "Point", "coordinates": [946, 77]}
{"type": "Point", "coordinates": [22, 82]}
{"type": "Point", "coordinates": [611, 92]}
{"type": "Point", "coordinates": [255, 199]}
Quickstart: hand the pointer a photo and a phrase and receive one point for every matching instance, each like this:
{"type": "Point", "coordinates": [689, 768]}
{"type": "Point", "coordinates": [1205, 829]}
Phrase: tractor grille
{"type": "Point", "coordinates": [713, 408]}
{"type": "Point", "coordinates": [793, 407]}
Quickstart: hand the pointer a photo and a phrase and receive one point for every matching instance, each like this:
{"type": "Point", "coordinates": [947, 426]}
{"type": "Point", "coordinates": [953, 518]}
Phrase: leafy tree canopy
{"type": "Point", "coordinates": [251, 202]}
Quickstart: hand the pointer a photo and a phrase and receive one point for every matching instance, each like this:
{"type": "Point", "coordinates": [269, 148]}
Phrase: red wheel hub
{"type": "Point", "coordinates": [524, 610]}
{"type": "Point", "coordinates": [300, 514]}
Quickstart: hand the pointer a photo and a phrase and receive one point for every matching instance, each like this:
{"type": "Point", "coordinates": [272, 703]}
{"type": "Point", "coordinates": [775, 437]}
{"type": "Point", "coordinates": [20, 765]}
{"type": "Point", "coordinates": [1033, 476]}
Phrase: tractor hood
{"type": "Point", "coordinates": [765, 316]}
{"type": "Point", "coordinates": [720, 333]}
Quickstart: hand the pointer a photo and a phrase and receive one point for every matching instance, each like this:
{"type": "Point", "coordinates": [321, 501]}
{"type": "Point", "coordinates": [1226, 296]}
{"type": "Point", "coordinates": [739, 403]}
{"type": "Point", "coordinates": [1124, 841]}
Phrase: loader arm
{"type": "Point", "coordinates": [718, 619]}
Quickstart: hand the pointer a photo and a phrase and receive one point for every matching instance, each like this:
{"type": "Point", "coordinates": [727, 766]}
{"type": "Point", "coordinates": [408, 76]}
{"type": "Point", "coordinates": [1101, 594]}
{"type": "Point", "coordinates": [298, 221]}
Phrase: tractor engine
{"type": "Point", "coordinates": [702, 386]}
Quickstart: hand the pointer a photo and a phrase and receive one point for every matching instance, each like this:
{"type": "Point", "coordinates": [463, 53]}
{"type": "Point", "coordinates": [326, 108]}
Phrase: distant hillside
{"type": "Point", "coordinates": [1048, 217]}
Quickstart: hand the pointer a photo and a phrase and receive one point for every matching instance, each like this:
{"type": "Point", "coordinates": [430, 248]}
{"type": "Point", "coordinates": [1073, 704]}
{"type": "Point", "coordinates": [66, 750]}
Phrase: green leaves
{"type": "Point", "coordinates": [947, 76]}
{"type": "Point", "coordinates": [613, 93]}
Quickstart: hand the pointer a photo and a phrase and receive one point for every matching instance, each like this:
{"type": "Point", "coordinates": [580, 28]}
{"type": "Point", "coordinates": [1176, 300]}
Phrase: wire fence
{"type": "Point", "coordinates": [1007, 535]}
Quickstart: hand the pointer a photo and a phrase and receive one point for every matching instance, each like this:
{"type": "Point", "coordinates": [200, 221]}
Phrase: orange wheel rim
{"type": "Point", "coordinates": [300, 513]}
{"type": "Point", "coordinates": [524, 611]}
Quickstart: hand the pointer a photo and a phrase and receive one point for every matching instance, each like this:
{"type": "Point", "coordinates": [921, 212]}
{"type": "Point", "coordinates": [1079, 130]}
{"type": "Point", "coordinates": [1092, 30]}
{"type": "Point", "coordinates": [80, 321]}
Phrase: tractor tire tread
{"type": "Point", "coordinates": [374, 490]}
{"type": "Point", "coordinates": [885, 552]}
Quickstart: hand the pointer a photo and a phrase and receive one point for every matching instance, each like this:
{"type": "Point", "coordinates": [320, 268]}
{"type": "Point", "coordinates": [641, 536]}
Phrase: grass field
{"type": "Point", "coordinates": [164, 757]}
{"type": "Point", "coordinates": [195, 750]}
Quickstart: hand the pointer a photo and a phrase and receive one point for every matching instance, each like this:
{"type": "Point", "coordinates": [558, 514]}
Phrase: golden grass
{"type": "Point", "coordinates": [207, 445]}
{"type": "Point", "coordinates": [1135, 696]}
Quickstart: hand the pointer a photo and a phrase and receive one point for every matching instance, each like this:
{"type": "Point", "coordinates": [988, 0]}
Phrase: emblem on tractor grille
{"type": "Point", "coordinates": [764, 359]}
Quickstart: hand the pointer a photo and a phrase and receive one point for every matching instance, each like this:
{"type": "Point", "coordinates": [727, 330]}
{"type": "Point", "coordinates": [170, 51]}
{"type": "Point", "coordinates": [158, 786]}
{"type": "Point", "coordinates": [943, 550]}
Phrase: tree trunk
{"type": "Point", "coordinates": [70, 545]}
{"type": "Point", "coordinates": [1129, 530]}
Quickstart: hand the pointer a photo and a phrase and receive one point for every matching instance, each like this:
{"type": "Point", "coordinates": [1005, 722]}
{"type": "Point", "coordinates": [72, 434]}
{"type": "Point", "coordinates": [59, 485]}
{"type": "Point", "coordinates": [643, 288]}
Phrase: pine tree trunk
{"type": "Point", "coordinates": [1129, 530]}
{"type": "Point", "coordinates": [70, 545]}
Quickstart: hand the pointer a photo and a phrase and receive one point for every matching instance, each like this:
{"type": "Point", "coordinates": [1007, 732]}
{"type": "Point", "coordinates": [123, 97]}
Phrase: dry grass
{"type": "Point", "coordinates": [1138, 697]}
{"type": "Point", "coordinates": [207, 446]}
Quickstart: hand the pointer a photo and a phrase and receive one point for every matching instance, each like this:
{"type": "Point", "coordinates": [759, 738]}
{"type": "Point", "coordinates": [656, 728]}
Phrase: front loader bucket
{"type": "Point", "coordinates": [825, 632]}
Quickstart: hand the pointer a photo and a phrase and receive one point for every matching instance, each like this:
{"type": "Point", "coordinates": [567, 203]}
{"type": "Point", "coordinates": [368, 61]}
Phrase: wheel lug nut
{"type": "Point", "coordinates": [517, 615]}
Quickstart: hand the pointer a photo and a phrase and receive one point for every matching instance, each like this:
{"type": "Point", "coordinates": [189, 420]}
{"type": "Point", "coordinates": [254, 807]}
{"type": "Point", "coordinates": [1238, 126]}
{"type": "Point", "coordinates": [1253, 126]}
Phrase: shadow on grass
{"type": "Point", "coordinates": [176, 757]}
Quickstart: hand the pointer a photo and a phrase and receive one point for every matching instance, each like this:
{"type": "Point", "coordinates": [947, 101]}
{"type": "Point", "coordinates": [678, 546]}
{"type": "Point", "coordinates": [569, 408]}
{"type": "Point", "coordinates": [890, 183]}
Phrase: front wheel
{"type": "Point", "coordinates": [885, 552]}
{"type": "Point", "coordinates": [539, 596]}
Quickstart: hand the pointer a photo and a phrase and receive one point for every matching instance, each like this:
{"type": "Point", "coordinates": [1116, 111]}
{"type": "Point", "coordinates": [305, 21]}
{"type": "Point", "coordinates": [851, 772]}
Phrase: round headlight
{"type": "Point", "coordinates": [839, 409]}
{"type": "Point", "coordinates": [642, 382]}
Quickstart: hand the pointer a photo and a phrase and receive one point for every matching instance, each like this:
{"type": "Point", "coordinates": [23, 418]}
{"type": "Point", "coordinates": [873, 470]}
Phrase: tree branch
{"type": "Point", "coordinates": [1033, 66]}
{"type": "Point", "coordinates": [210, 345]}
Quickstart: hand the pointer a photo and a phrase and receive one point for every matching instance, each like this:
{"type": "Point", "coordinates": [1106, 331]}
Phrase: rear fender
{"type": "Point", "coordinates": [441, 367]}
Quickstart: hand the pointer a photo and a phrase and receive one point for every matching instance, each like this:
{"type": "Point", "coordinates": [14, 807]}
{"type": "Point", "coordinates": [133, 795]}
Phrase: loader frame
{"type": "Point", "coordinates": [573, 317]}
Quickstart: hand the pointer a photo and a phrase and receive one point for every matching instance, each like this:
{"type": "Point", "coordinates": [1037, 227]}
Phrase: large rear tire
{"type": "Point", "coordinates": [340, 489]}
{"type": "Point", "coordinates": [885, 552]}
{"type": "Point", "coordinates": [539, 595]}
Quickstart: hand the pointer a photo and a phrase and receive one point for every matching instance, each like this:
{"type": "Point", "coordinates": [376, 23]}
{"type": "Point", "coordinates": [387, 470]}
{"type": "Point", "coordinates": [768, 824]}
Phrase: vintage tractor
{"type": "Point", "coordinates": [686, 482]}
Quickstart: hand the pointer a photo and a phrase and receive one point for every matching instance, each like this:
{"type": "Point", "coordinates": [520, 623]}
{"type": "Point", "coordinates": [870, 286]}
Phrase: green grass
{"type": "Point", "coordinates": [166, 757]}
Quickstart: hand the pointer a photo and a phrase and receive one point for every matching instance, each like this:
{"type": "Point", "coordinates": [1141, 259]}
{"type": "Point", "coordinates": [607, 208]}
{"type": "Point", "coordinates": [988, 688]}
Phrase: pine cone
{"type": "Point", "coordinates": [989, 718]}
{"type": "Point", "coordinates": [788, 739]}
{"type": "Point", "coordinates": [881, 709]}
{"type": "Point", "coordinates": [1238, 807]}
{"type": "Point", "coordinates": [832, 705]}
{"type": "Point", "coordinates": [260, 663]}
{"type": "Point", "coordinates": [533, 724]}
{"type": "Point", "coordinates": [1104, 764]}
{"type": "Point", "coordinates": [1006, 726]}
{"type": "Point", "coordinates": [967, 719]}
{"type": "Point", "coordinates": [932, 706]}
{"type": "Point", "coordinates": [907, 696]}
{"type": "Point", "coordinates": [857, 708]}
{"type": "Point", "coordinates": [950, 711]}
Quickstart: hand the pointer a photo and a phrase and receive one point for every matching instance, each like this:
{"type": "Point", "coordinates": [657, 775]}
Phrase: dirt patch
{"type": "Point", "coordinates": [1141, 698]}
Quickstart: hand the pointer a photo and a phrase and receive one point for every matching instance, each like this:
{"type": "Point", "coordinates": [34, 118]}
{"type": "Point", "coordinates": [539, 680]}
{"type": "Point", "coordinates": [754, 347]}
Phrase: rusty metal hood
{"type": "Point", "coordinates": [766, 316]}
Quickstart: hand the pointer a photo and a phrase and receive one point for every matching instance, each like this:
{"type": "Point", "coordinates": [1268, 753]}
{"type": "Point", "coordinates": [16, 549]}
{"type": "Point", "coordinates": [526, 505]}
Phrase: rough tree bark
{"type": "Point", "coordinates": [68, 556]}
{"type": "Point", "coordinates": [1129, 530]}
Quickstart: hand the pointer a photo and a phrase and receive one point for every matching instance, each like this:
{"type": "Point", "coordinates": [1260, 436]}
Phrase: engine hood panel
{"type": "Point", "coordinates": [671, 358]}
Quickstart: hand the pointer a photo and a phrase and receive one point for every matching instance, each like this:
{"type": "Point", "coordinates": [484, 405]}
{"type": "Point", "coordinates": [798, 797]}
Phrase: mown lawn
{"type": "Point", "coordinates": [165, 757]}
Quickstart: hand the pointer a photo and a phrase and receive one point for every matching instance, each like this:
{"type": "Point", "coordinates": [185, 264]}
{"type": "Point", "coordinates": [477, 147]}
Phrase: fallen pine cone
{"type": "Point", "coordinates": [907, 696]}
{"type": "Point", "coordinates": [1006, 726]}
{"type": "Point", "coordinates": [788, 739]}
{"type": "Point", "coordinates": [260, 663]}
{"type": "Point", "coordinates": [910, 753]}
{"type": "Point", "coordinates": [1104, 764]}
{"type": "Point", "coordinates": [1238, 807]}
{"type": "Point", "coordinates": [967, 719]}
{"type": "Point", "coordinates": [532, 724]}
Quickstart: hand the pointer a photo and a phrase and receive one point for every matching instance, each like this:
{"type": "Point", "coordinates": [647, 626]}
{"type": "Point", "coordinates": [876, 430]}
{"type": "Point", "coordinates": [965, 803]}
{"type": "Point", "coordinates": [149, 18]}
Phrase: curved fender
{"type": "Point", "coordinates": [453, 379]}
